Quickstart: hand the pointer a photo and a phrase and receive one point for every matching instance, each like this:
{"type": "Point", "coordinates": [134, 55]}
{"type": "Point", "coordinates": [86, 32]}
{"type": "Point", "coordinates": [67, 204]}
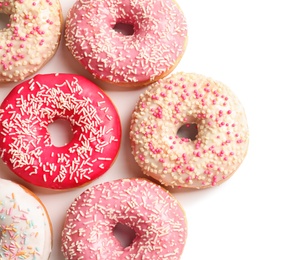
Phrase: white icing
{"type": "Point", "coordinates": [25, 231]}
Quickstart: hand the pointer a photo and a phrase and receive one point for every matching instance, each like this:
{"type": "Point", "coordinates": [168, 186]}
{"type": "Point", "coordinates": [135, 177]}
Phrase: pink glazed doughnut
{"type": "Point", "coordinates": [31, 37]}
{"type": "Point", "coordinates": [25, 142]}
{"type": "Point", "coordinates": [183, 99]}
{"type": "Point", "coordinates": [156, 217]}
{"type": "Point", "coordinates": [153, 50]}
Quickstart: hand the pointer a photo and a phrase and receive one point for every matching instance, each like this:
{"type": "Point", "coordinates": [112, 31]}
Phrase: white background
{"type": "Point", "coordinates": [253, 47]}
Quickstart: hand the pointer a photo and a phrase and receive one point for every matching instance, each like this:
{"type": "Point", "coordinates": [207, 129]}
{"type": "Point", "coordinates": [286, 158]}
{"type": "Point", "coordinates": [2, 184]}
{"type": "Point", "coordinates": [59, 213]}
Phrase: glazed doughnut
{"type": "Point", "coordinates": [30, 39]}
{"type": "Point", "coordinates": [185, 99]}
{"type": "Point", "coordinates": [26, 145]}
{"type": "Point", "coordinates": [153, 50]}
{"type": "Point", "coordinates": [155, 216]}
{"type": "Point", "coordinates": [25, 227]}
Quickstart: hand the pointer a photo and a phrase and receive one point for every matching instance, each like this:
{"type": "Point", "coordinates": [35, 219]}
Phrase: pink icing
{"type": "Point", "coordinates": [158, 41]}
{"type": "Point", "coordinates": [26, 145]}
{"type": "Point", "coordinates": [154, 215]}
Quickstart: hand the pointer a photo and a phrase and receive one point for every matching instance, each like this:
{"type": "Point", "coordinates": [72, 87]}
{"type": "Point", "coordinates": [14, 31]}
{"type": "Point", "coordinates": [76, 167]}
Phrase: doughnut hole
{"type": "Point", "coordinates": [188, 131]}
{"type": "Point", "coordinates": [124, 234]}
{"type": "Point", "coordinates": [4, 20]}
{"type": "Point", "coordinates": [61, 132]}
{"type": "Point", "coordinates": [126, 29]}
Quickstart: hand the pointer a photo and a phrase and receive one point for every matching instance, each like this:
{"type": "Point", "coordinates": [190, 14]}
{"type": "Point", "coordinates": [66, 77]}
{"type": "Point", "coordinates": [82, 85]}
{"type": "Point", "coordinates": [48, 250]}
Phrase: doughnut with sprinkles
{"type": "Point", "coordinates": [25, 142]}
{"type": "Point", "coordinates": [185, 99]}
{"type": "Point", "coordinates": [153, 213]}
{"type": "Point", "coordinates": [31, 37]}
{"type": "Point", "coordinates": [25, 227]}
{"type": "Point", "coordinates": [157, 43]}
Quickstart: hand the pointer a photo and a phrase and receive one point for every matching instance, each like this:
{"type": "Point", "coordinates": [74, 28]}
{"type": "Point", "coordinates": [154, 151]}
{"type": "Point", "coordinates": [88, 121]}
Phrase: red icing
{"type": "Point", "coordinates": [26, 144]}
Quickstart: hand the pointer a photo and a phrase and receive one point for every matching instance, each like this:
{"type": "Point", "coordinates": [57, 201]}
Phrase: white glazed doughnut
{"type": "Point", "coordinates": [25, 227]}
{"type": "Point", "coordinates": [155, 48]}
{"type": "Point", "coordinates": [30, 39]}
{"type": "Point", "coordinates": [185, 99]}
{"type": "Point", "coordinates": [155, 216]}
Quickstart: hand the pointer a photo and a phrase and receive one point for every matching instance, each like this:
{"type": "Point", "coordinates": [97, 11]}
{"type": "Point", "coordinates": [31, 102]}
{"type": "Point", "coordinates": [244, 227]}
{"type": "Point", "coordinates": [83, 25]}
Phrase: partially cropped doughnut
{"type": "Point", "coordinates": [25, 142]}
{"type": "Point", "coordinates": [157, 43]}
{"type": "Point", "coordinates": [155, 216]}
{"type": "Point", "coordinates": [25, 227]}
{"type": "Point", "coordinates": [30, 39]}
{"type": "Point", "coordinates": [185, 99]}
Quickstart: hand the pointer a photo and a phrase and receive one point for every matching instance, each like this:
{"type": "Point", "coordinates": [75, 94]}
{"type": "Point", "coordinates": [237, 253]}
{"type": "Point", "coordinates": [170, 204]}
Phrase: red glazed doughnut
{"type": "Point", "coordinates": [25, 226]}
{"type": "Point", "coordinates": [153, 50]}
{"type": "Point", "coordinates": [30, 39]}
{"type": "Point", "coordinates": [155, 216]}
{"type": "Point", "coordinates": [185, 99]}
{"type": "Point", "coordinates": [26, 145]}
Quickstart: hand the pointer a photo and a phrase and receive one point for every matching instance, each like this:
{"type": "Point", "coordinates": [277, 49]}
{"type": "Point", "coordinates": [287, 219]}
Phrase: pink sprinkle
{"type": "Point", "coordinates": [158, 113]}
